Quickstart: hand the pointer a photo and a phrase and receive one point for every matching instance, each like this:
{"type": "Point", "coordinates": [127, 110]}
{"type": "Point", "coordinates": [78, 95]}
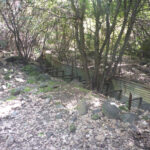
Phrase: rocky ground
{"type": "Point", "coordinates": [38, 112]}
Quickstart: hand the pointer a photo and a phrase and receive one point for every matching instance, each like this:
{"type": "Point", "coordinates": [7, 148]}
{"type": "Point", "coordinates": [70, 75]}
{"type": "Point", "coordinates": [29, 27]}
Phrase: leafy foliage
{"type": "Point", "coordinates": [79, 32]}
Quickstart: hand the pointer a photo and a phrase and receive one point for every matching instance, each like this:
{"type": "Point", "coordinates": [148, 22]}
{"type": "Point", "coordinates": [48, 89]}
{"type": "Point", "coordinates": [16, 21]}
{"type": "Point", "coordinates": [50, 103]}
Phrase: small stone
{"type": "Point", "coordinates": [74, 118]}
{"type": "Point", "coordinates": [43, 85]}
{"type": "Point", "coordinates": [46, 117]}
{"type": "Point", "coordinates": [43, 77]}
{"type": "Point", "coordinates": [100, 138]}
{"type": "Point", "coordinates": [131, 143]}
{"type": "Point", "coordinates": [14, 114]}
{"type": "Point", "coordinates": [20, 80]}
{"type": "Point", "coordinates": [49, 134]}
{"type": "Point", "coordinates": [43, 96]}
{"type": "Point", "coordinates": [60, 106]}
{"type": "Point", "coordinates": [110, 128]}
{"type": "Point", "coordinates": [129, 117]}
{"type": "Point", "coordinates": [59, 116]}
{"type": "Point", "coordinates": [96, 111]}
{"type": "Point", "coordinates": [48, 100]}
{"type": "Point", "coordinates": [10, 141]}
{"type": "Point", "coordinates": [82, 108]}
{"type": "Point", "coordinates": [4, 87]}
{"type": "Point", "coordinates": [144, 124]}
{"type": "Point", "coordinates": [133, 128]}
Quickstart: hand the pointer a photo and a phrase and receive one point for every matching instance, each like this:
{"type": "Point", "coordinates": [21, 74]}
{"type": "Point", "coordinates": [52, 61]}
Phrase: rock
{"type": "Point", "coordinates": [82, 108]}
{"type": "Point", "coordinates": [10, 141]}
{"type": "Point", "coordinates": [133, 128]}
{"type": "Point", "coordinates": [49, 134]}
{"type": "Point", "coordinates": [4, 87]}
{"type": "Point", "coordinates": [1, 89]}
{"type": "Point", "coordinates": [128, 117]}
{"type": "Point", "coordinates": [145, 106]}
{"type": "Point", "coordinates": [110, 128]}
{"type": "Point", "coordinates": [74, 118]}
{"type": "Point", "coordinates": [43, 96]}
{"type": "Point", "coordinates": [96, 111]}
{"type": "Point", "coordinates": [111, 111]}
{"type": "Point", "coordinates": [43, 77]}
{"type": "Point", "coordinates": [100, 138]}
{"type": "Point", "coordinates": [143, 124]}
{"type": "Point", "coordinates": [59, 116]}
{"type": "Point", "coordinates": [14, 114]}
{"type": "Point", "coordinates": [48, 100]}
{"type": "Point", "coordinates": [60, 106]}
{"type": "Point", "coordinates": [43, 85]}
{"type": "Point", "coordinates": [20, 80]}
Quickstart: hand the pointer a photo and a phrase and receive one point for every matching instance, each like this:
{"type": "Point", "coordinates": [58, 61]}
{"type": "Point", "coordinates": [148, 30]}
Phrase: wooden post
{"type": "Point", "coordinates": [107, 88]}
{"type": "Point", "coordinates": [79, 78]}
{"type": "Point", "coordinates": [120, 94]}
{"type": "Point", "coordinates": [140, 102]}
{"type": "Point", "coordinates": [130, 101]}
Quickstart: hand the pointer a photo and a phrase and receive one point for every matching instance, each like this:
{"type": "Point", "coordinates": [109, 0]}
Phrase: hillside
{"type": "Point", "coordinates": [38, 111]}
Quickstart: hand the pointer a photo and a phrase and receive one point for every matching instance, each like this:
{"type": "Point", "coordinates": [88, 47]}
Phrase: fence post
{"type": "Point", "coordinates": [107, 88]}
{"type": "Point", "coordinates": [120, 94]}
{"type": "Point", "coordinates": [140, 102]}
{"type": "Point", "coordinates": [79, 78]}
{"type": "Point", "coordinates": [130, 101]}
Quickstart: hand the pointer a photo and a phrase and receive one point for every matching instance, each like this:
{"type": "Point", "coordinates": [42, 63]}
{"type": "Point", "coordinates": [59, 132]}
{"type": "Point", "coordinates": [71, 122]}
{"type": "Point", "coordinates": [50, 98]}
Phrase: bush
{"type": "Point", "coordinates": [31, 70]}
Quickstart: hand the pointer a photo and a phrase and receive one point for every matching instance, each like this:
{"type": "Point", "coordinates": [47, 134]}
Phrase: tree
{"type": "Point", "coordinates": [108, 50]}
{"type": "Point", "coordinates": [19, 19]}
{"type": "Point", "coordinates": [98, 31]}
{"type": "Point", "coordinates": [79, 15]}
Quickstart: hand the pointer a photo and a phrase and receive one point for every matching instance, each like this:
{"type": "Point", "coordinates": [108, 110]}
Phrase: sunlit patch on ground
{"type": "Point", "coordinates": [6, 108]}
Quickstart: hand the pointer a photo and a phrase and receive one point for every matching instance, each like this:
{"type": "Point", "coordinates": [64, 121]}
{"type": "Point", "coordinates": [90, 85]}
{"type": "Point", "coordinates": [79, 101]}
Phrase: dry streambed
{"type": "Point", "coordinates": [38, 112]}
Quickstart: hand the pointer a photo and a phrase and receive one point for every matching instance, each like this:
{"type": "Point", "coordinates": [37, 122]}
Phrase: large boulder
{"type": "Point", "coordinates": [82, 107]}
{"type": "Point", "coordinates": [128, 117]}
{"type": "Point", "coordinates": [43, 77]}
{"type": "Point", "coordinates": [110, 110]}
